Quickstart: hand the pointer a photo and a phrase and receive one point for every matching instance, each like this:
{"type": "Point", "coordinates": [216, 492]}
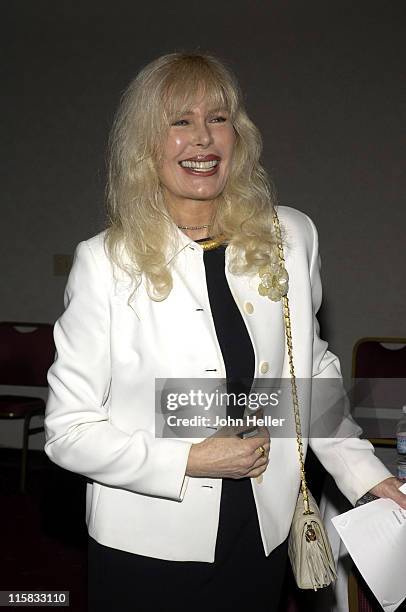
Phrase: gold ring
{"type": "Point", "coordinates": [261, 450]}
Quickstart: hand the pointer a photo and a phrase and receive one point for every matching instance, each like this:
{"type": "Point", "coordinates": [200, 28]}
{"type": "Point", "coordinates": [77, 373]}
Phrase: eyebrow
{"type": "Point", "coordinates": [211, 111]}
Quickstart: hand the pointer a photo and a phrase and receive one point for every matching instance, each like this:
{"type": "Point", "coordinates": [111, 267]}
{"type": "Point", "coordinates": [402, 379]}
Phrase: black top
{"type": "Point", "coordinates": [237, 509]}
{"type": "Point", "coordinates": [232, 334]}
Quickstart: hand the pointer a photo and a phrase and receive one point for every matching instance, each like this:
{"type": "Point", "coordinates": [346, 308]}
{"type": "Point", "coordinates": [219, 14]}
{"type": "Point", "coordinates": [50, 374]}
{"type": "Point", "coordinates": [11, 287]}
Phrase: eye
{"type": "Point", "coordinates": [180, 122]}
{"type": "Point", "coordinates": [218, 119]}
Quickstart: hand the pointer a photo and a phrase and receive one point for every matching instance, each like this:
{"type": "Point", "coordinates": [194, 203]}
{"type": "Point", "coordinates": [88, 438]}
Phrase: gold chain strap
{"type": "Point", "coordinates": [295, 400]}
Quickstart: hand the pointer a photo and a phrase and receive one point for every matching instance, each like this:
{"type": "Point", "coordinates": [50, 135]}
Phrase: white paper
{"type": "Point", "coordinates": [375, 536]}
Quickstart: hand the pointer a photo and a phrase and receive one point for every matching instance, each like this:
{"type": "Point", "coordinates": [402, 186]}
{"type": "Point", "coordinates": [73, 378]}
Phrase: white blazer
{"type": "Point", "coordinates": [100, 412]}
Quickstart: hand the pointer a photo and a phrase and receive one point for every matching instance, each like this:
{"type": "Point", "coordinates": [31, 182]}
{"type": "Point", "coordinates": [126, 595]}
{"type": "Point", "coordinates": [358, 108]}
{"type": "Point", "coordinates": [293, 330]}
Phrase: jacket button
{"type": "Point", "coordinates": [248, 307]}
{"type": "Point", "coordinates": [264, 367]}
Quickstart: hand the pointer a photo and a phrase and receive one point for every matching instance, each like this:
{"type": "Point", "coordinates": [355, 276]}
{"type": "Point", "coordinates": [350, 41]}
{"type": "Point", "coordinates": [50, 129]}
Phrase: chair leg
{"type": "Point", "coordinates": [24, 454]}
{"type": "Point", "coordinates": [352, 592]}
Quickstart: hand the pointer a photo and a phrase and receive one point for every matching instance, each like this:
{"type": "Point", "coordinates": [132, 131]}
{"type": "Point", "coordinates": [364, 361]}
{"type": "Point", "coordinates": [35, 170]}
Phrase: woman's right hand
{"type": "Point", "coordinates": [229, 457]}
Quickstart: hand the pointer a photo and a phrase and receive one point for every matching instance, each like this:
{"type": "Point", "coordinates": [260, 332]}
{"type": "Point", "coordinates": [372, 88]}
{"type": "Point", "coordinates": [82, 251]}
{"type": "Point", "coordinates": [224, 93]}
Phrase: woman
{"type": "Point", "coordinates": [172, 290]}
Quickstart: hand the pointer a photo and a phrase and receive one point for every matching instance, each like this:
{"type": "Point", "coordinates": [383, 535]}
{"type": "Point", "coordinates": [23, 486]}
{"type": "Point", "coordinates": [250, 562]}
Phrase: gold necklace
{"type": "Point", "coordinates": [193, 227]}
{"type": "Point", "coordinates": [212, 243]}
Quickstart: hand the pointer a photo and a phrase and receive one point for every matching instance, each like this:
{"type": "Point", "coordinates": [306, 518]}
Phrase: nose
{"type": "Point", "coordinates": [202, 136]}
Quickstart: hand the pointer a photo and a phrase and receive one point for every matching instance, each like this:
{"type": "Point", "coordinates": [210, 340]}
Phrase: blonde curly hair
{"type": "Point", "coordinates": [140, 228]}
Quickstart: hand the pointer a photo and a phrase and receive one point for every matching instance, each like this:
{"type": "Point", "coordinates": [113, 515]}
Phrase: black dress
{"type": "Point", "coordinates": [241, 574]}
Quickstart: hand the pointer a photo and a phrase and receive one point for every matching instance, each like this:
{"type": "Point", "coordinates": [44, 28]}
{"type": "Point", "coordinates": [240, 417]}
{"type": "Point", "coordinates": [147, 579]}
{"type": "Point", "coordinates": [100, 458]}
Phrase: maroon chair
{"type": "Point", "coordinates": [379, 374]}
{"type": "Point", "coordinates": [26, 352]}
{"type": "Point", "coordinates": [376, 358]}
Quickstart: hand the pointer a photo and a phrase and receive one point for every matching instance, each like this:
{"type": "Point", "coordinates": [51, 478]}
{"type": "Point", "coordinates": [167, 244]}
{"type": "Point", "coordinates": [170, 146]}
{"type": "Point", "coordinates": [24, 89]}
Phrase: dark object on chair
{"type": "Point", "coordinates": [26, 352]}
{"type": "Point", "coordinates": [376, 358]}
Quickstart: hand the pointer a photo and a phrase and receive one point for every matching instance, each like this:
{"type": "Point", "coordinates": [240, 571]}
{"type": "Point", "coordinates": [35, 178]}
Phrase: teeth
{"type": "Point", "coordinates": [199, 165]}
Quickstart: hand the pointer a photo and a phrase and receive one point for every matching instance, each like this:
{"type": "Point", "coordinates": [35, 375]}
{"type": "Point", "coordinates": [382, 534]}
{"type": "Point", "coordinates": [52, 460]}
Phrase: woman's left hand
{"type": "Point", "coordinates": [390, 488]}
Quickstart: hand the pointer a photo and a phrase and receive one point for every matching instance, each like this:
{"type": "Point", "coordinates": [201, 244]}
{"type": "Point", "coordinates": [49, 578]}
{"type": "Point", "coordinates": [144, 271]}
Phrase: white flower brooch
{"type": "Point", "coordinates": [274, 279]}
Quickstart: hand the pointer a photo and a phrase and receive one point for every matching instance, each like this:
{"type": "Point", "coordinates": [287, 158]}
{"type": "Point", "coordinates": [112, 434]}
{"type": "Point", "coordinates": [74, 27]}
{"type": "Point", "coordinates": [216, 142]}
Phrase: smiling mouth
{"type": "Point", "coordinates": [202, 168]}
{"type": "Point", "coordinates": [200, 165]}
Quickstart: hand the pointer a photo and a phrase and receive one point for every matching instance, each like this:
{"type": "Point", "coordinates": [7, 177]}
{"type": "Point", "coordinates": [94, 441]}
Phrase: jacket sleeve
{"type": "Point", "coordinates": [79, 435]}
{"type": "Point", "coordinates": [334, 435]}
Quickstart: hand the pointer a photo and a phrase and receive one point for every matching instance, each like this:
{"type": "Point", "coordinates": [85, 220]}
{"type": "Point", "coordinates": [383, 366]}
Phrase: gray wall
{"type": "Point", "coordinates": [322, 81]}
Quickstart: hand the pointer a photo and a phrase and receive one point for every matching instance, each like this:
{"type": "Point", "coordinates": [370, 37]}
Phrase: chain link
{"type": "Point", "coordinates": [295, 399]}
